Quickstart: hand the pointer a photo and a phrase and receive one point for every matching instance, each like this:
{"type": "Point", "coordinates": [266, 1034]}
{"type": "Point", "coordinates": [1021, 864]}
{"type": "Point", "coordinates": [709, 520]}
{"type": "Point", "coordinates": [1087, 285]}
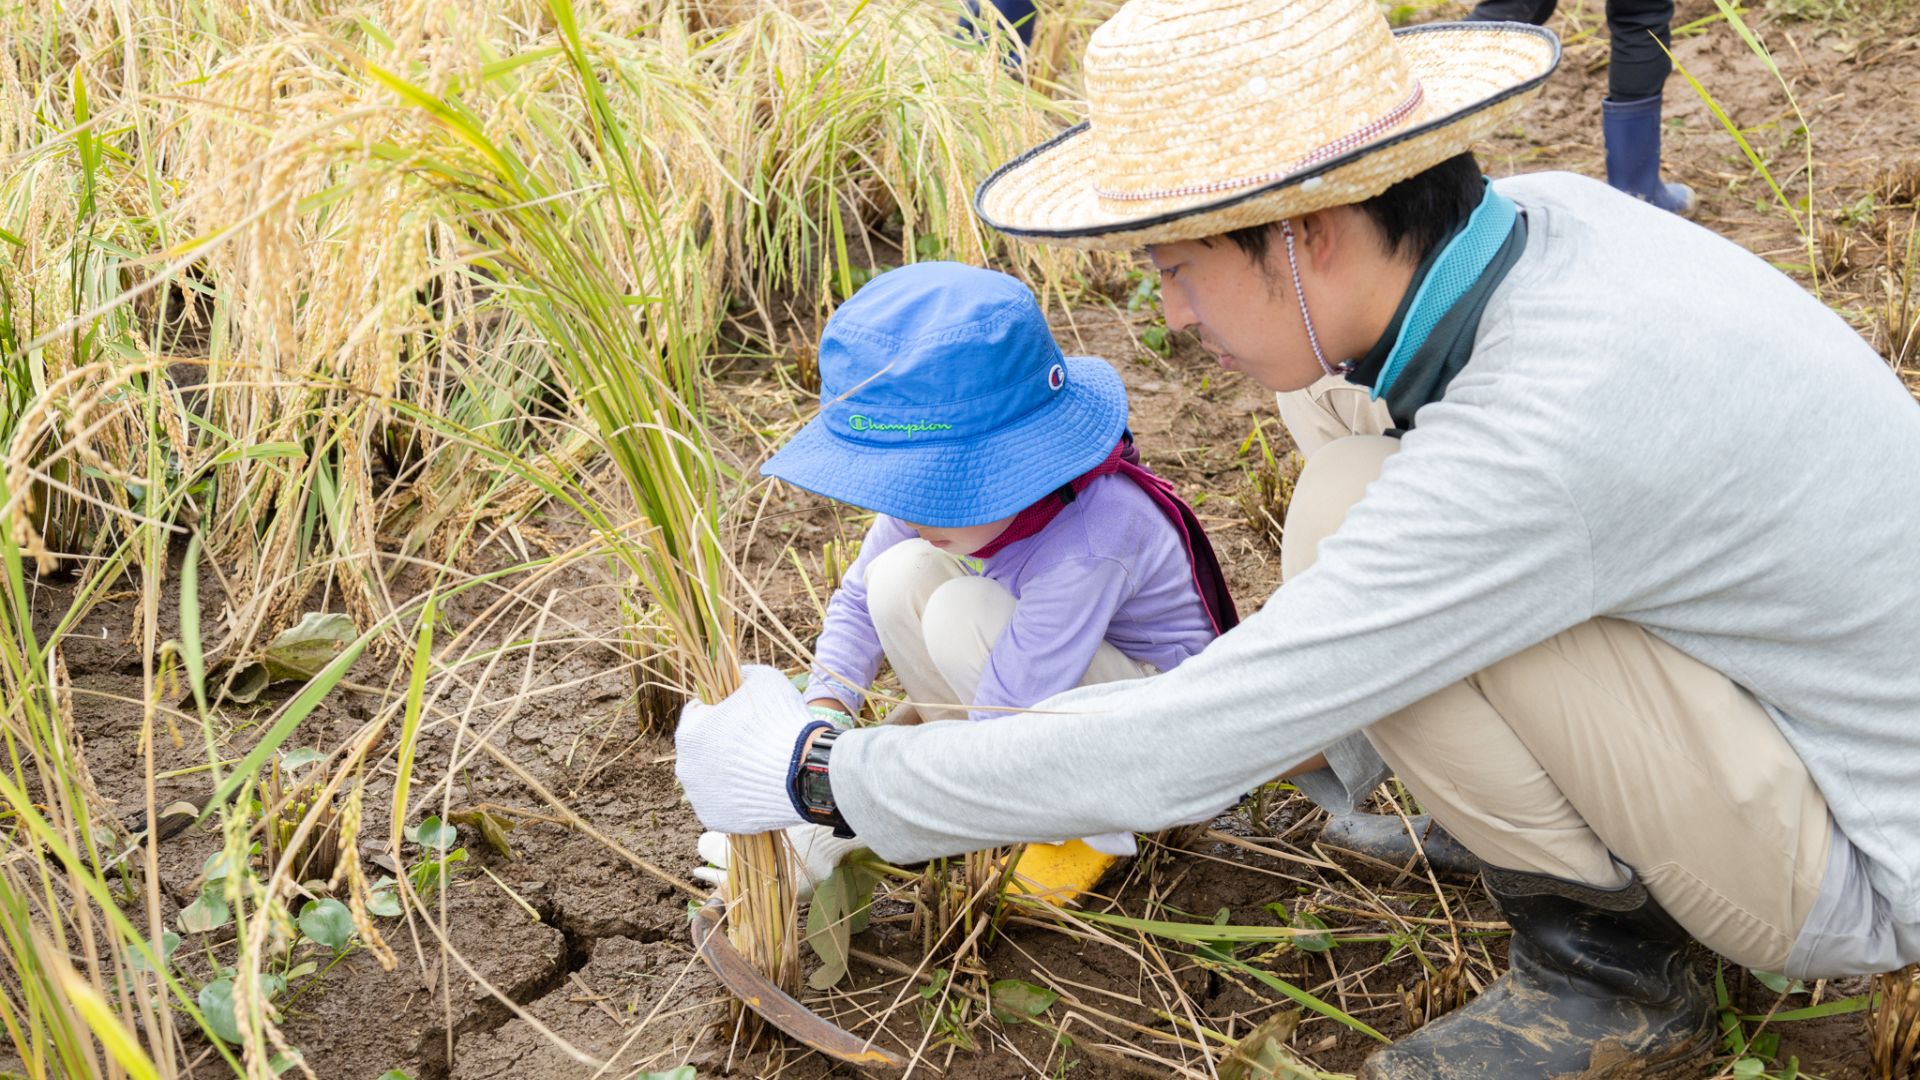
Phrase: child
{"type": "Point", "coordinates": [1018, 549]}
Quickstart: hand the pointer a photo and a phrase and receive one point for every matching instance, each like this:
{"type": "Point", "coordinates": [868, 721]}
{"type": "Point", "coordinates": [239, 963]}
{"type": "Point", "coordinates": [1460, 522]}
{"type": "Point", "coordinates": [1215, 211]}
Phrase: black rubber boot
{"type": "Point", "coordinates": [1384, 837]}
{"type": "Point", "coordinates": [1599, 986]}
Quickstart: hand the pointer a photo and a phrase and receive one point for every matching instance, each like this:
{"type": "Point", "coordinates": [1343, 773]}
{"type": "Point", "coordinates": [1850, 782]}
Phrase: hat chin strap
{"type": "Point", "coordinates": [1286, 231]}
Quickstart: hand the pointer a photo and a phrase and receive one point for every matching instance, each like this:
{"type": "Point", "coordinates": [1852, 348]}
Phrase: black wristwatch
{"type": "Point", "coordinates": [810, 786]}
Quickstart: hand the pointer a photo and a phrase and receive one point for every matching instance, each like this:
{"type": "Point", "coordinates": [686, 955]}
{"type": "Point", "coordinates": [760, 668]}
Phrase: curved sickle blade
{"type": "Point", "coordinates": [775, 1005]}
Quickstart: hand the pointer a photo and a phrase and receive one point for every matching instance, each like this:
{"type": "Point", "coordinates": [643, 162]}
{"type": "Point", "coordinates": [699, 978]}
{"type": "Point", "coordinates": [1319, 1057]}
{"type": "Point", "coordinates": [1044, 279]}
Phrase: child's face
{"type": "Point", "coordinates": [964, 540]}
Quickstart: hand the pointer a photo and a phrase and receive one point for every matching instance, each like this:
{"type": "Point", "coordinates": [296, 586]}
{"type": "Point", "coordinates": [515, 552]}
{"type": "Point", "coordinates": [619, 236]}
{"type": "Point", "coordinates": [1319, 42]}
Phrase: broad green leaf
{"type": "Point", "coordinates": [860, 883]}
{"type": "Point", "coordinates": [238, 684]}
{"type": "Point", "coordinates": [296, 710]}
{"type": "Point", "coordinates": [303, 649]}
{"type": "Point", "coordinates": [216, 1004]}
{"type": "Point", "coordinates": [828, 933]}
{"type": "Point", "coordinates": [384, 903]}
{"type": "Point", "coordinates": [209, 911]}
{"type": "Point", "coordinates": [1748, 1067]}
{"type": "Point", "coordinates": [218, 865]}
{"type": "Point", "coordinates": [1780, 984]}
{"type": "Point", "coordinates": [169, 941]}
{"type": "Point", "coordinates": [433, 833]}
{"type": "Point", "coordinates": [395, 1074]}
{"type": "Point", "coordinates": [684, 1072]}
{"type": "Point", "coordinates": [286, 1060]}
{"type": "Point", "coordinates": [1014, 1000]}
{"type": "Point", "coordinates": [327, 922]}
{"type": "Point", "coordinates": [299, 756]}
{"type": "Point", "coordinates": [1316, 943]}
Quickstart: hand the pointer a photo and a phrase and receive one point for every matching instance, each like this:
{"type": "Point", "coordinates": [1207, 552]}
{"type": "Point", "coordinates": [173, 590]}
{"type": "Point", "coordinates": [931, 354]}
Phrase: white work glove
{"type": "Point", "coordinates": [814, 850]}
{"type": "Point", "coordinates": [1119, 844]}
{"type": "Point", "coordinates": [734, 758]}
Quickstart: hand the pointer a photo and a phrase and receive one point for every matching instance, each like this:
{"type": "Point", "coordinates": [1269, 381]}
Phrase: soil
{"type": "Point", "coordinates": [571, 941]}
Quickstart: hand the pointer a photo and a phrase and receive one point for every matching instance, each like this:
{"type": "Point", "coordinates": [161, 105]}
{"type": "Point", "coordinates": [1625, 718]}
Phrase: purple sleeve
{"type": "Point", "coordinates": [1059, 621]}
{"type": "Point", "coordinates": [848, 654]}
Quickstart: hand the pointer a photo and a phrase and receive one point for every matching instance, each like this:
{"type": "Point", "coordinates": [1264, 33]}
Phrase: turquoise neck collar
{"type": "Point", "coordinates": [1453, 274]}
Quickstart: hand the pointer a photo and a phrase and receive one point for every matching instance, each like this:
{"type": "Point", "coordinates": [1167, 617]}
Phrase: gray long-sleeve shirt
{"type": "Point", "coordinates": [1655, 426]}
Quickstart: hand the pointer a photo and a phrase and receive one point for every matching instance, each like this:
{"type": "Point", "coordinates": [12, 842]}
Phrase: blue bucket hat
{"type": "Point", "coordinates": [945, 402]}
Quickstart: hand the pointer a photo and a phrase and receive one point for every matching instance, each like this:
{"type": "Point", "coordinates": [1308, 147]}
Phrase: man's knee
{"type": "Point", "coordinates": [1330, 483]}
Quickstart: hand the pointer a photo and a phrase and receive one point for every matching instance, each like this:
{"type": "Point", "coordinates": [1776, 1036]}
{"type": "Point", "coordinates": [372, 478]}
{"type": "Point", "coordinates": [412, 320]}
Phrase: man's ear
{"type": "Point", "coordinates": [1322, 234]}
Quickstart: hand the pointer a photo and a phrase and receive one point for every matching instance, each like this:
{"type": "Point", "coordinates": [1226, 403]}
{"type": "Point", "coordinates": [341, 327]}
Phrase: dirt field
{"type": "Point", "coordinates": [590, 945]}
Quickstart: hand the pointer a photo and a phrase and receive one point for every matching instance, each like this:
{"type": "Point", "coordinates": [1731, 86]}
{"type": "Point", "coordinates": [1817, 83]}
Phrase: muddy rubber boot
{"type": "Point", "coordinates": [1632, 132]}
{"type": "Point", "coordinates": [1599, 986]}
{"type": "Point", "coordinates": [1383, 837]}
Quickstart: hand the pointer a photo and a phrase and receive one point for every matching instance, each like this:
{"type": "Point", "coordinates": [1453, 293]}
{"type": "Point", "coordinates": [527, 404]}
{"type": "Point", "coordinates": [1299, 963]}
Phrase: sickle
{"type": "Point", "coordinates": [776, 1006]}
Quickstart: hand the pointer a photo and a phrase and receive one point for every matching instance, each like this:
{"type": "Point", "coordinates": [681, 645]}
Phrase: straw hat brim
{"type": "Point", "coordinates": [955, 483]}
{"type": "Point", "coordinates": [1475, 76]}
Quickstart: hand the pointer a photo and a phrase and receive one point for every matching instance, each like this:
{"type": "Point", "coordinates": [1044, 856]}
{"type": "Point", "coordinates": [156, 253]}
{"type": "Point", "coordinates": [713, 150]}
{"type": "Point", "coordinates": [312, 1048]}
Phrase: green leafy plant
{"type": "Point", "coordinates": [438, 855]}
{"type": "Point", "coordinates": [1144, 295]}
{"type": "Point", "coordinates": [1267, 491]}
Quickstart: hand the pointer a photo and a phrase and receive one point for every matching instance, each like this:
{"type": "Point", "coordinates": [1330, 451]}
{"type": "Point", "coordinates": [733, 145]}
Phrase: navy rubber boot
{"type": "Point", "coordinates": [1632, 130]}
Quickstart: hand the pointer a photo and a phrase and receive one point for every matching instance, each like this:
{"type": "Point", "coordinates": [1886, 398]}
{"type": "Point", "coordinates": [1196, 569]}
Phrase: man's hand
{"type": "Point", "coordinates": [815, 853]}
{"type": "Point", "coordinates": [735, 759]}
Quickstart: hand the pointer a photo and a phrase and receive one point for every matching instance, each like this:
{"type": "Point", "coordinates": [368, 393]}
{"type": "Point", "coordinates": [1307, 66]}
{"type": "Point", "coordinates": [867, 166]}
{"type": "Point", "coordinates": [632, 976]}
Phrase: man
{"type": "Point", "coordinates": [1630, 607]}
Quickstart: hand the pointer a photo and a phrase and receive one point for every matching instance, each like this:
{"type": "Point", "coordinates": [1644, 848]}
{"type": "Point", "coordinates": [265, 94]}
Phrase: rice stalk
{"type": "Point", "coordinates": [1893, 1026]}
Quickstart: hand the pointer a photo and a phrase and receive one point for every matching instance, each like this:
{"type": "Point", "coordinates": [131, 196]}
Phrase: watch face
{"type": "Point", "coordinates": [815, 789]}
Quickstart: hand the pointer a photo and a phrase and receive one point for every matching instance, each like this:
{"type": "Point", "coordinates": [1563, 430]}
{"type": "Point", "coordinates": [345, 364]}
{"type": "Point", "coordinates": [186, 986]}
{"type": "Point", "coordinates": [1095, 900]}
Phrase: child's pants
{"type": "Point", "coordinates": [938, 625]}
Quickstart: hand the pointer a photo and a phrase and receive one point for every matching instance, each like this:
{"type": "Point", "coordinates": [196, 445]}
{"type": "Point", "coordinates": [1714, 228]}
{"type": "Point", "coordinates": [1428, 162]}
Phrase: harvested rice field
{"type": "Point", "coordinates": [384, 386]}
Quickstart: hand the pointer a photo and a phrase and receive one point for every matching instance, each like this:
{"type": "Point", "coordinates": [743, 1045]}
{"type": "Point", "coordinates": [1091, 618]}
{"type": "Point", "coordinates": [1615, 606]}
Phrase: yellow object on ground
{"type": "Point", "coordinates": [1059, 873]}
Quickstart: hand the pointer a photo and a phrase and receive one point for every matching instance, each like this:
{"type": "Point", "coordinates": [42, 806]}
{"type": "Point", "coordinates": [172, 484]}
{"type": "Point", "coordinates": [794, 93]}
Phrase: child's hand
{"type": "Point", "coordinates": [815, 852]}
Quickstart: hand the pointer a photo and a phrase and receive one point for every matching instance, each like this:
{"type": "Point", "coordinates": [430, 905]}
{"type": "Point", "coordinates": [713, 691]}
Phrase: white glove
{"type": "Point", "coordinates": [734, 758]}
{"type": "Point", "coordinates": [1118, 844]}
{"type": "Point", "coordinates": [814, 850]}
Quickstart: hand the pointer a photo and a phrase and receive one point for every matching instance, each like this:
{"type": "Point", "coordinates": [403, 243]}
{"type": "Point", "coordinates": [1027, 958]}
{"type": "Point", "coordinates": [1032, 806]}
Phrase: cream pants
{"type": "Point", "coordinates": [938, 625]}
{"type": "Point", "coordinates": [1599, 747]}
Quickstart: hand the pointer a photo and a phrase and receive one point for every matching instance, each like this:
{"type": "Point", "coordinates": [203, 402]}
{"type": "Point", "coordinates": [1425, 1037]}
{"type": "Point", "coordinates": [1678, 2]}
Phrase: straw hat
{"type": "Point", "coordinates": [1211, 115]}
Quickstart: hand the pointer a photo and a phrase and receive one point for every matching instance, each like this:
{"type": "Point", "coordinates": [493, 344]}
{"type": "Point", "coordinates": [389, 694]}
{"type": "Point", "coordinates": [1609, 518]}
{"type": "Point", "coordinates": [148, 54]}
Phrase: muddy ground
{"type": "Point", "coordinates": [591, 946]}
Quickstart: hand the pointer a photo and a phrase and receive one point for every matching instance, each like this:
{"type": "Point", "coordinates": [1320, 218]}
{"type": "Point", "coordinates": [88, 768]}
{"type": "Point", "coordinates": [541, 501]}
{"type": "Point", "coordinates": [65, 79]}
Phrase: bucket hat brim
{"type": "Point", "coordinates": [953, 482]}
{"type": "Point", "coordinates": [1475, 77]}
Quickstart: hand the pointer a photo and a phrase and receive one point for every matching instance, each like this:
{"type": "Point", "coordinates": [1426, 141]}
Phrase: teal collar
{"type": "Point", "coordinates": [1451, 275]}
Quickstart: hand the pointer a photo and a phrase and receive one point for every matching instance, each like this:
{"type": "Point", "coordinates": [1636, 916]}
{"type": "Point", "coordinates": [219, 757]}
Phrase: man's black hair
{"type": "Point", "coordinates": [1413, 216]}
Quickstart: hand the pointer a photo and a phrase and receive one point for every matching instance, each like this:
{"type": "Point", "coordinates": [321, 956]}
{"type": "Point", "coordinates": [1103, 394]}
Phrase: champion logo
{"type": "Point", "coordinates": [1056, 377]}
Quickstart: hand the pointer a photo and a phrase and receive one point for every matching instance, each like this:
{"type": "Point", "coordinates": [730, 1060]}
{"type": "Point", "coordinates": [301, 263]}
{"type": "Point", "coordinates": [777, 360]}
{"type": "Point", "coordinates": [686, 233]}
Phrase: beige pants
{"type": "Point", "coordinates": [1599, 747]}
{"type": "Point", "coordinates": [938, 625]}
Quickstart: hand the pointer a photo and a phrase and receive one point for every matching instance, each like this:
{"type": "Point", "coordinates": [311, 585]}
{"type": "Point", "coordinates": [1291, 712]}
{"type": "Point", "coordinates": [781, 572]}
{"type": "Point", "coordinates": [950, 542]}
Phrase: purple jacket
{"type": "Point", "coordinates": [1111, 567]}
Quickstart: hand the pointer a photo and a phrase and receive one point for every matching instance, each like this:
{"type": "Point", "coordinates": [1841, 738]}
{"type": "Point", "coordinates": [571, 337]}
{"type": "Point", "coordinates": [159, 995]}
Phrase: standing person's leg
{"type": "Point", "coordinates": [1623, 795]}
{"type": "Point", "coordinates": [1630, 116]}
{"type": "Point", "coordinates": [1536, 12]}
{"type": "Point", "coordinates": [1019, 14]}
